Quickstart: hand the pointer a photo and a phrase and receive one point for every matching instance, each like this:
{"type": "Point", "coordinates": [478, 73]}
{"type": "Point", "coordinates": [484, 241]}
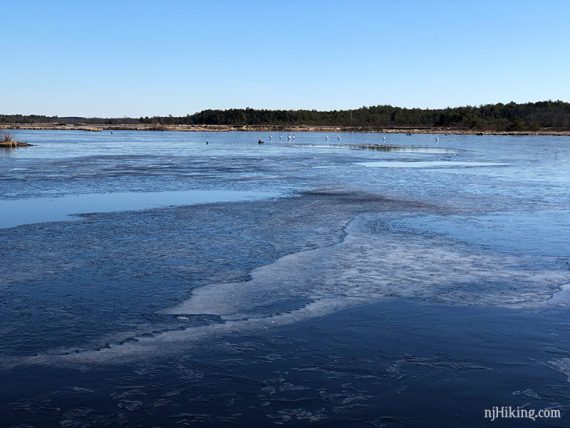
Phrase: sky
{"type": "Point", "coordinates": [112, 58]}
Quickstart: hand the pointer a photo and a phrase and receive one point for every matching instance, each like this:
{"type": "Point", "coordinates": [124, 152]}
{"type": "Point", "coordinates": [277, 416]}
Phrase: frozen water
{"type": "Point", "coordinates": [283, 282]}
{"type": "Point", "coordinates": [368, 264]}
{"type": "Point", "coordinates": [427, 164]}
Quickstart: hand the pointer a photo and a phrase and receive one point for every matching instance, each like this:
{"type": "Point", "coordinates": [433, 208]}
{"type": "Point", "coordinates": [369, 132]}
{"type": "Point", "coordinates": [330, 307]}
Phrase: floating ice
{"type": "Point", "coordinates": [380, 148]}
{"type": "Point", "coordinates": [427, 164]}
{"type": "Point", "coordinates": [364, 267]}
{"type": "Point", "coordinates": [144, 345]}
{"type": "Point", "coordinates": [372, 266]}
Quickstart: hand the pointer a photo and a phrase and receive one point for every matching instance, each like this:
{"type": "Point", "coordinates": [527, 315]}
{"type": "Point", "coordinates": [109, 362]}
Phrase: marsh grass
{"type": "Point", "coordinates": [7, 141]}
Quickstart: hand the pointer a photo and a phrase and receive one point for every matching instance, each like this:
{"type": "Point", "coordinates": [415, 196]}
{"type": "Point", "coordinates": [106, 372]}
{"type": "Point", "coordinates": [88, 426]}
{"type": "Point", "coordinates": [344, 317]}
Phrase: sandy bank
{"type": "Point", "coordinates": [269, 128]}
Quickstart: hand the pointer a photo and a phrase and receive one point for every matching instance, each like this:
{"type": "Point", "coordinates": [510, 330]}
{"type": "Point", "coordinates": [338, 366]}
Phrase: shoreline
{"type": "Point", "coordinates": [266, 128]}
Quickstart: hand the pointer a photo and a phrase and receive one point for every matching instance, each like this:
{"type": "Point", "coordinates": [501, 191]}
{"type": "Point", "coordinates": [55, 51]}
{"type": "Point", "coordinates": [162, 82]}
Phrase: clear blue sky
{"type": "Point", "coordinates": [133, 58]}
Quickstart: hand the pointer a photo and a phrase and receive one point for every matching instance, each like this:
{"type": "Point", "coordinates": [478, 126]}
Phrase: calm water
{"type": "Point", "coordinates": [151, 279]}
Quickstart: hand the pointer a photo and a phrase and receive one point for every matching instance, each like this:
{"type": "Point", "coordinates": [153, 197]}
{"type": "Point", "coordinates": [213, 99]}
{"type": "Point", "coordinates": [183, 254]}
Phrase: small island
{"type": "Point", "coordinates": [8, 142]}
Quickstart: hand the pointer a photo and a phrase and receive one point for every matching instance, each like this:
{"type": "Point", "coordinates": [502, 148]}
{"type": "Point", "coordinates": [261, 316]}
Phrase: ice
{"type": "Point", "coordinates": [161, 343]}
{"type": "Point", "coordinates": [368, 266]}
{"type": "Point", "coordinates": [427, 164]}
{"type": "Point", "coordinates": [365, 266]}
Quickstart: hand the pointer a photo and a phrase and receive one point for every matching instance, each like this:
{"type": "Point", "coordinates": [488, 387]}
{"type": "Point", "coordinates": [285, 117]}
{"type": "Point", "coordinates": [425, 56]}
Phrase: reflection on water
{"type": "Point", "coordinates": [38, 210]}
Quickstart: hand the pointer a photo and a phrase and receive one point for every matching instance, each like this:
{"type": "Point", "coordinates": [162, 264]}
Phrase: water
{"type": "Point", "coordinates": [153, 279]}
{"type": "Point", "coordinates": [427, 164]}
{"type": "Point", "coordinates": [17, 212]}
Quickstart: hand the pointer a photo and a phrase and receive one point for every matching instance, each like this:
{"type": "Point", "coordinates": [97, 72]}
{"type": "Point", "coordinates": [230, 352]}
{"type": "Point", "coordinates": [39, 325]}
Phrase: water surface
{"type": "Point", "coordinates": [16, 212]}
{"type": "Point", "coordinates": [238, 284]}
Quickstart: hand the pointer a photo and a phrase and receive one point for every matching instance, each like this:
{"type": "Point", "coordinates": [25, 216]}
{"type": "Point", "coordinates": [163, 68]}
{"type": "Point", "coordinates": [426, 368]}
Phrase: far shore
{"type": "Point", "coordinates": [267, 128]}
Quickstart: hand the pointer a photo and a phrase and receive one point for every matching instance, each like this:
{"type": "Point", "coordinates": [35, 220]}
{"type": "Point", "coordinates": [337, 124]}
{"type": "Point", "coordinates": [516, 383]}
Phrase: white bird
{"type": "Point", "coordinates": [326, 137]}
{"type": "Point", "coordinates": [436, 138]}
{"type": "Point", "coordinates": [383, 138]}
{"type": "Point", "coordinates": [338, 138]}
{"type": "Point", "coordinates": [270, 137]}
{"type": "Point", "coordinates": [280, 137]}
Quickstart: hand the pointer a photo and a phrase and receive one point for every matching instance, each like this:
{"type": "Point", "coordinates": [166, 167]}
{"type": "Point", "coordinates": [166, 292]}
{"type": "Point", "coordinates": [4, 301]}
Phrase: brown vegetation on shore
{"type": "Point", "coordinates": [7, 141]}
{"type": "Point", "coordinates": [271, 128]}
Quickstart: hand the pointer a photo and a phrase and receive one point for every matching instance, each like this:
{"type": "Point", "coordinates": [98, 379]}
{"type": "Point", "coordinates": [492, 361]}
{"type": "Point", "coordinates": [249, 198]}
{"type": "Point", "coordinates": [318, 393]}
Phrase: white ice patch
{"type": "Point", "coordinates": [365, 267]}
{"type": "Point", "coordinates": [139, 346]}
{"type": "Point", "coordinates": [561, 297]}
{"type": "Point", "coordinates": [373, 266]}
{"type": "Point", "coordinates": [427, 164]}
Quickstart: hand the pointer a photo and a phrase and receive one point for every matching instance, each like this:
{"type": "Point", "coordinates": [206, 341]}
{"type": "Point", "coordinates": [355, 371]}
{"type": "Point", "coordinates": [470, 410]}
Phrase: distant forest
{"type": "Point", "coordinates": [552, 115]}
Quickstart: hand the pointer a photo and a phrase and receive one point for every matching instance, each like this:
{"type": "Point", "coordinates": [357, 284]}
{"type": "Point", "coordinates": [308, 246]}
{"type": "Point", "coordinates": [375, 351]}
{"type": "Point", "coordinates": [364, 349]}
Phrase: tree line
{"type": "Point", "coordinates": [552, 115]}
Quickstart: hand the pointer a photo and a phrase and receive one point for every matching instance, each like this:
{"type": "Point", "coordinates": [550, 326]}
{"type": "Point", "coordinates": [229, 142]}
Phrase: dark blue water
{"type": "Point", "coordinates": [151, 279]}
